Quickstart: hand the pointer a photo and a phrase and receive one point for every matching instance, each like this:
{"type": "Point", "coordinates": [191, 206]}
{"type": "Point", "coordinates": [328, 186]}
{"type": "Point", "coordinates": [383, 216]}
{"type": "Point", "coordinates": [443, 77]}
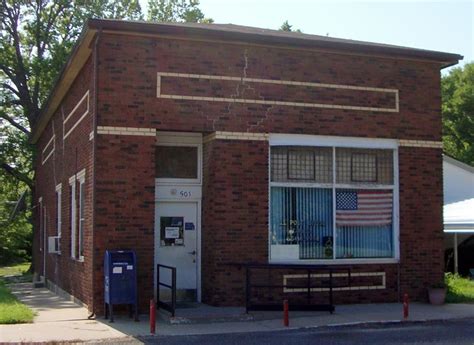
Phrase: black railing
{"type": "Point", "coordinates": [309, 288]}
{"type": "Point", "coordinates": [170, 307]}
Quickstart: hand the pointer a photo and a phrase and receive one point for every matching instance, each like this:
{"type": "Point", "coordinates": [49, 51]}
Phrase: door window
{"type": "Point", "coordinates": [171, 231]}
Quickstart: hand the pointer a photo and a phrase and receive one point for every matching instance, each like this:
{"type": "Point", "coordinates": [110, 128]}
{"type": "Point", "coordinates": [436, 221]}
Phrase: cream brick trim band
{"type": "Point", "coordinates": [235, 136]}
{"type": "Point", "coordinates": [45, 154]}
{"type": "Point", "coordinates": [159, 94]}
{"type": "Point", "coordinates": [380, 286]}
{"type": "Point", "coordinates": [221, 135]}
{"type": "Point", "coordinates": [264, 136]}
{"type": "Point", "coordinates": [421, 143]}
{"type": "Point", "coordinates": [144, 132]}
{"type": "Point", "coordinates": [84, 98]}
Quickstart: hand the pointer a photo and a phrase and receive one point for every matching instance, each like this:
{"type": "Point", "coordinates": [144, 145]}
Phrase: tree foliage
{"type": "Point", "coordinates": [457, 90]}
{"type": "Point", "coordinates": [15, 233]}
{"type": "Point", "coordinates": [287, 27]}
{"type": "Point", "coordinates": [176, 11]}
{"type": "Point", "coordinates": [36, 38]}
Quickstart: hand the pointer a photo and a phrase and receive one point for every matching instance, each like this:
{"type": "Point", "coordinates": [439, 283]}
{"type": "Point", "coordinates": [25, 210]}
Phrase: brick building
{"type": "Point", "coordinates": [204, 145]}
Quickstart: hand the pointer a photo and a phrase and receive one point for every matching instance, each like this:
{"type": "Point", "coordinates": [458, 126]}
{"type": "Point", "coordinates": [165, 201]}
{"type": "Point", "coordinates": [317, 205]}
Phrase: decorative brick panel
{"type": "Point", "coordinates": [213, 88]}
{"type": "Point", "coordinates": [128, 94]}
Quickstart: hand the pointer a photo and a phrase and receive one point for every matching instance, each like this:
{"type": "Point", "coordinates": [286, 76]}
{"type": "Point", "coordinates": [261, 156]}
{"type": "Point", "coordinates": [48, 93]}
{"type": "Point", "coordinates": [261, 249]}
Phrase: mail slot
{"type": "Point", "coordinates": [120, 281]}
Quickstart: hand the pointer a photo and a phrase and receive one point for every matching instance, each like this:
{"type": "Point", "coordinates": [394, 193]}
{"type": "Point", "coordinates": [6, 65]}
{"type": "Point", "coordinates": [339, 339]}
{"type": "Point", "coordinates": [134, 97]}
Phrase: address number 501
{"type": "Point", "coordinates": [185, 193]}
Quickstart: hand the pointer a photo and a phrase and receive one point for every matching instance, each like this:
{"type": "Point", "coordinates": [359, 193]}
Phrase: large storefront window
{"type": "Point", "coordinates": [331, 203]}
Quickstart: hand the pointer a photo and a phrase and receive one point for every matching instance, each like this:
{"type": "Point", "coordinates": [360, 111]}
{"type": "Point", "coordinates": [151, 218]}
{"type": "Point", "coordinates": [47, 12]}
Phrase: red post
{"type": "Point", "coordinates": [286, 321]}
{"type": "Point", "coordinates": [405, 306]}
{"type": "Point", "coordinates": [152, 316]}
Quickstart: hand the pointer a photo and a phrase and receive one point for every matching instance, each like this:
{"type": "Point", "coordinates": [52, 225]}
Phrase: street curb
{"type": "Point", "coordinates": [384, 323]}
{"type": "Point", "coordinates": [347, 325]}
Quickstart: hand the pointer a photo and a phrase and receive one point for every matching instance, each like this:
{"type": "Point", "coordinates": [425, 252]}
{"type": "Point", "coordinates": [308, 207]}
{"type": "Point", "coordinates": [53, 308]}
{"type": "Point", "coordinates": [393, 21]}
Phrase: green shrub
{"type": "Point", "coordinates": [460, 290]}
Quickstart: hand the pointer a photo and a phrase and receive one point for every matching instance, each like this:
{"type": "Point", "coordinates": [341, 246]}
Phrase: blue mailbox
{"type": "Point", "coordinates": [120, 281]}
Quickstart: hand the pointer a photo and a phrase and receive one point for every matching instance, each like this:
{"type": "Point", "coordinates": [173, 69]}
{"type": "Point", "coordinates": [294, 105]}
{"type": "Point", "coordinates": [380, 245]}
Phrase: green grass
{"type": "Point", "coordinates": [460, 290]}
{"type": "Point", "coordinates": [12, 310]}
{"type": "Point", "coordinates": [16, 270]}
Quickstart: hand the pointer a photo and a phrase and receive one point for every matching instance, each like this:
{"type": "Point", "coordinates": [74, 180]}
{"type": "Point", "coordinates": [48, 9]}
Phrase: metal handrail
{"type": "Point", "coordinates": [161, 304]}
{"type": "Point", "coordinates": [309, 269]}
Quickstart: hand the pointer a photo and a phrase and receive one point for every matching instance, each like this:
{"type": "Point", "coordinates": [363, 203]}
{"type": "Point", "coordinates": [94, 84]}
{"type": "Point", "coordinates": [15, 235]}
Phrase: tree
{"type": "Point", "coordinates": [36, 38]}
{"type": "Point", "coordinates": [457, 91]}
{"type": "Point", "coordinates": [176, 11]}
{"type": "Point", "coordinates": [287, 27]}
{"type": "Point", "coordinates": [16, 232]}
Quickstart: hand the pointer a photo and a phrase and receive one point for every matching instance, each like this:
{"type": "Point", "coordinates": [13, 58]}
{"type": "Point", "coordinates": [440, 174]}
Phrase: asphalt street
{"type": "Point", "coordinates": [439, 332]}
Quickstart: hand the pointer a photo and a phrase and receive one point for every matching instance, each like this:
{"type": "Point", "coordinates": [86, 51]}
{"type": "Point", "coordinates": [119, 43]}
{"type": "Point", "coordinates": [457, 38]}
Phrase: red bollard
{"type": "Point", "coordinates": [152, 316]}
{"type": "Point", "coordinates": [405, 306]}
{"type": "Point", "coordinates": [286, 321]}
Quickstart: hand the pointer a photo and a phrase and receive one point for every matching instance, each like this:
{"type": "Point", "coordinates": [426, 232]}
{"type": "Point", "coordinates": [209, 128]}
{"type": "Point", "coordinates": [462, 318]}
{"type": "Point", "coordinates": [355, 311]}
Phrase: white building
{"type": "Point", "coordinates": [458, 203]}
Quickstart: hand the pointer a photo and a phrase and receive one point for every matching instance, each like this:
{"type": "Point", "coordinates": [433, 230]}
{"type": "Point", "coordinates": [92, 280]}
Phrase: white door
{"type": "Point", "coordinates": [176, 228]}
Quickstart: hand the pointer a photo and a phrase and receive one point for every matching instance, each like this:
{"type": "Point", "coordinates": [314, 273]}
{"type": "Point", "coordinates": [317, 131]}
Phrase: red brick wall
{"type": "Point", "coordinates": [128, 81]}
{"type": "Point", "coordinates": [125, 207]}
{"type": "Point", "coordinates": [421, 220]}
{"type": "Point", "coordinates": [71, 155]}
{"type": "Point", "coordinates": [235, 189]}
{"type": "Point", "coordinates": [235, 183]}
{"type": "Point", "coordinates": [235, 215]}
{"type": "Point", "coordinates": [235, 223]}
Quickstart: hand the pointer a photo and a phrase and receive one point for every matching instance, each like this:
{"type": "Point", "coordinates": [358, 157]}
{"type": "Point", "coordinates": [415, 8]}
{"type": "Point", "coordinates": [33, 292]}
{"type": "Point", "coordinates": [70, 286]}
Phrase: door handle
{"type": "Point", "coordinates": [192, 253]}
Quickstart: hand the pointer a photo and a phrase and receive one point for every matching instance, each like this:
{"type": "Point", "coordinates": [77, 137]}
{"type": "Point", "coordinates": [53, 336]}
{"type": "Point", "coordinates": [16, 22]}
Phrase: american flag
{"type": "Point", "coordinates": [363, 208]}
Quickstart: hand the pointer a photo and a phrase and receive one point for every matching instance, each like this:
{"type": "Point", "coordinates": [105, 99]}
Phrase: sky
{"type": "Point", "coordinates": [446, 26]}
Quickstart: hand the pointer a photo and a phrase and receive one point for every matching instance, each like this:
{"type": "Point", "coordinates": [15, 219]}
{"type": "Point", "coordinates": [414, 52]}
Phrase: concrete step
{"type": "Point", "coordinates": [195, 313]}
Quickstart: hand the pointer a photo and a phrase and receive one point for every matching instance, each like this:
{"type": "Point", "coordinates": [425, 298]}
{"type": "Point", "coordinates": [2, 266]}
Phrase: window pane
{"type": "Point", "coordinates": [58, 213]}
{"type": "Point", "coordinates": [364, 242]}
{"type": "Point", "coordinates": [302, 164]}
{"type": "Point", "coordinates": [279, 164]}
{"type": "Point", "coordinates": [72, 208]}
{"type": "Point", "coordinates": [364, 166]}
{"type": "Point", "coordinates": [302, 217]}
{"type": "Point", "coordinates": [364, 223]}
{"type": "Point", "coordinates": [177, 162]}
{"type": "Point", "coordinates": [323, 164]}
{"type": "Point", "coordinates": [81, 218]}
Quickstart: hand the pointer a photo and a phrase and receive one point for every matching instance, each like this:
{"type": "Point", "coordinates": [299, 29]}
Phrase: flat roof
{"type": "Point", "coordinates": [232, 32]}
{"type": "Point", "coordinates": [219, 32]}
{"type": "Point", "coordinates": [459, 216]}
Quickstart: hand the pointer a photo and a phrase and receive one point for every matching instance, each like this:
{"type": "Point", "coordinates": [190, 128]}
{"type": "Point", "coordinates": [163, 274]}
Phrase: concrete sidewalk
{"type": "Point", "coordinates": [61, 320]}
{"type": "Point", "coordinates": [57, 319]}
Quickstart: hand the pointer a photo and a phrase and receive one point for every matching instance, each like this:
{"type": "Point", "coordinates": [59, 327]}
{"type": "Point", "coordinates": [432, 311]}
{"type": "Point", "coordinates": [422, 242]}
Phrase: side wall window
{"type": "Point", "coordinates": [77, 204]}
{"type": "Point", "coordinates": [72, 208]}
{"type": "Point", "coordinates": [58, 214]}
{"type": "Point", "coordinates": [41, 225]}
{"type": "Point", "coordinates": [81, 218]}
